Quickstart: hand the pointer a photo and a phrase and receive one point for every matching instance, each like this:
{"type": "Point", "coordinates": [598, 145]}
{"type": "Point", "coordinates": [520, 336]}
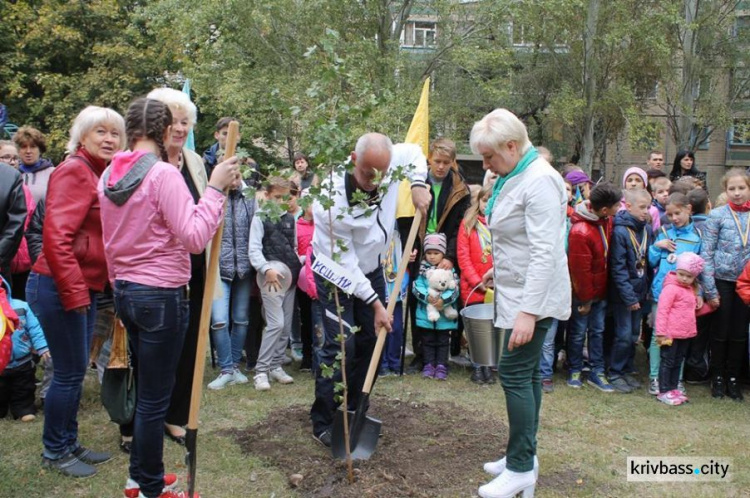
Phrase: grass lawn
{"type": "Point", "coordinates": [584, 439]}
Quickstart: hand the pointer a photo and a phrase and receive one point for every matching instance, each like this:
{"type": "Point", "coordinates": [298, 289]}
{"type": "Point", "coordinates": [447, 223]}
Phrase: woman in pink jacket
{"type": "Point", "coordinates": [150, 225]}
{"type": "Point", "coordinates": [676, 324]}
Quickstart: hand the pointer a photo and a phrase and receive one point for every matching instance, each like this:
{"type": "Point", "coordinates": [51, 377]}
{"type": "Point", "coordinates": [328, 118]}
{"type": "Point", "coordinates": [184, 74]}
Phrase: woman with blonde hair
{"type": "Point", "coordinates": [526, 217]}
{"type": "Point", "coordinates": [193, 170]}
{"type": "Point", "coordinates": [62, 283]}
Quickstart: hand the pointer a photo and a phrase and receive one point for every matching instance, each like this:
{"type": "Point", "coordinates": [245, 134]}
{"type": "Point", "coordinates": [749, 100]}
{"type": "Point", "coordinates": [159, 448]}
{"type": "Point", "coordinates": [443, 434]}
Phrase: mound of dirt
{"type": "Point", "coordinates": [426, 450]}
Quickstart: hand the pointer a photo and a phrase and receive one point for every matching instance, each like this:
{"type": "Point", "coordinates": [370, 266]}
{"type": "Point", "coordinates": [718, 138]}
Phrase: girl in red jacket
{"type": "Point", "coordinates": [474, 252]}
{"type": "Point", "coordinates": [676, 324]}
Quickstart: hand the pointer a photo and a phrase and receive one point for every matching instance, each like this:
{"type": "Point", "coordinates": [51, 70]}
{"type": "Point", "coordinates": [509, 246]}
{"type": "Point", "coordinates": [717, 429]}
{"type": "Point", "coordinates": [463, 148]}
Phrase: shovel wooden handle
{"type": "Point", "coordinates": [375, 361]}
{"type": "Point", "coordinates": [208, 297]}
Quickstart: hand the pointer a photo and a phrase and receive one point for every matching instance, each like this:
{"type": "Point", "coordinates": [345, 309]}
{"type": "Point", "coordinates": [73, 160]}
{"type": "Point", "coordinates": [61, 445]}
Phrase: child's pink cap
{"type": "Point", "coordinates": [635, 170]}
{"type": "Point", "coordinates": [690, 262]}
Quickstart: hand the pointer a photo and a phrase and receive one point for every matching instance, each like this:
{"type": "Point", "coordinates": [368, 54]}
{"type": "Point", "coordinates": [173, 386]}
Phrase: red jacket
{"type": "Point", "coordinates": [305, 229]}
{"type": "Point", "coordinates": [743, 285]}
{"type": "Point", "coordinates": [587, 256]}
{"type": "Point", "coordinates": [470, 255]}
{"type": "Point", "coordinates": [22, 261]}
{"type": "Point", "coordinates": [72, 247]}
{"type": "Point", "coordinates": [675, 313]}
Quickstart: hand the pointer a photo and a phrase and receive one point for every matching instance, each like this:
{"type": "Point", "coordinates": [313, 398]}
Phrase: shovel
{"type": "Point", "coordinates": [191, 435]}
{"type": "Point", "coordinates": [364, 431]}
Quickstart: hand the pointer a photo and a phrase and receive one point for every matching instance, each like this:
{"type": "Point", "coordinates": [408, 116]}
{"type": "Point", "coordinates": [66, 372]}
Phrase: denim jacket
{"type": "Point", "coordinates": [722, 248]}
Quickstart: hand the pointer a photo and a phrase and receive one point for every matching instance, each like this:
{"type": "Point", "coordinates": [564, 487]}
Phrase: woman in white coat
{"type": "Point", "coordinates": [526, 217]}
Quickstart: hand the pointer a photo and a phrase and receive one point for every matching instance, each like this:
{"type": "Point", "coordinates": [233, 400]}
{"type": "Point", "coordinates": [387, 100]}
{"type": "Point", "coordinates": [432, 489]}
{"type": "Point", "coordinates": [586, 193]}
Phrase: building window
{"type": "Point", "coordinates": [740, 134]}
{"type": "Point", "coordinates": [424, 34]}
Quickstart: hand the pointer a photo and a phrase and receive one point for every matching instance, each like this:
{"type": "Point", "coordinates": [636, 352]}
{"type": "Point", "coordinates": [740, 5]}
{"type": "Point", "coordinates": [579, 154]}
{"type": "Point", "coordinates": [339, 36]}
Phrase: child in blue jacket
{"type": "Point", "coordinates": [435, 329]}
{"type": "Point", "coordinates": [671, 241]}
{"type": "Point", "coordinates": [18, 381]}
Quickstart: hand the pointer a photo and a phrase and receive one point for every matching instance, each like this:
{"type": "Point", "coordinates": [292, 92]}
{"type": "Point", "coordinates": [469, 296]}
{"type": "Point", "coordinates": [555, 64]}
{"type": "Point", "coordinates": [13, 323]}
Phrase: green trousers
{"type": "Point", "coordinates": [522, 383]}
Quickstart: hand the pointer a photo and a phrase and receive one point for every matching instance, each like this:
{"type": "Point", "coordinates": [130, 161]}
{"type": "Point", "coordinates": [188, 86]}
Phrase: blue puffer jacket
{"type": "Point", "coordinates": [29, 334]}
{"type": "Point", "coordinates": [686, 238]}
{"type": "Point", "coordinates": [238, 215]}
{"type": "Point", "coordinates": [625, 286]}
{"type": "Point", "coordinates": [722, 249]}
{"type": "Point", "coordinates": [449, 297]}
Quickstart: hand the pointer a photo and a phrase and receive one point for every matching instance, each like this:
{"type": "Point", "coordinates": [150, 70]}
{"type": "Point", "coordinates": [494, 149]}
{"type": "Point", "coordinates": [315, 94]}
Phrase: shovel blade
{"type": "Point", "coordinates": [191, 444]}
{"type": "Point", "coordinates": [363, 443]}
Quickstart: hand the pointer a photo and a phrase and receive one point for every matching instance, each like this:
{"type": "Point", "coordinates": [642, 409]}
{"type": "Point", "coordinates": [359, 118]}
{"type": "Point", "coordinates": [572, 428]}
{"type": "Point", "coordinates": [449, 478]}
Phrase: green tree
{"type": "Point", "coordinates": [62, 56]}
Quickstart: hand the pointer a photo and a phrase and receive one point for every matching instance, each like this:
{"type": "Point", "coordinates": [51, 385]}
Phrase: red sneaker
{"type": "Point", "coordinates": [177, 494]}
{"type": "Point", "coordinates": [132, 490]}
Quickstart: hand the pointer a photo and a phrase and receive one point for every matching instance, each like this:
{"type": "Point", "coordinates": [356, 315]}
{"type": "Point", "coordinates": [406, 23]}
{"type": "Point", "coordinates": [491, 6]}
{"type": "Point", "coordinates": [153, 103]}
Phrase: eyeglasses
{"type": "Point", "coordinates": [9, 159]}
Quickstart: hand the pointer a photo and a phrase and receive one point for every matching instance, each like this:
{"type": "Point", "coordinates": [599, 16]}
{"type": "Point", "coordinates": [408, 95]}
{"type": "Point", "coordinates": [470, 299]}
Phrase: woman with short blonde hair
{"type": "Point", "coordinates": [526, 215]}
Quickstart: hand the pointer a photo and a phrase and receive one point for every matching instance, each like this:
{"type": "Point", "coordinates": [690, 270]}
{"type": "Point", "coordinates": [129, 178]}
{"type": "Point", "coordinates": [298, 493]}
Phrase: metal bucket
{"type": "Point", "coordinates": [485, 341]}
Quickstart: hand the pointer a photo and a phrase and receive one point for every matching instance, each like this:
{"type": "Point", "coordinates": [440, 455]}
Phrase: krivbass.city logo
{"type": "Point", "coordinates": [686, 469]}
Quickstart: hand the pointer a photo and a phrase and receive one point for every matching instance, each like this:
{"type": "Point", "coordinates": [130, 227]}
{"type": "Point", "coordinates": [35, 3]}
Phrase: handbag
{"type": "Point", "coordinates": [118, 383]}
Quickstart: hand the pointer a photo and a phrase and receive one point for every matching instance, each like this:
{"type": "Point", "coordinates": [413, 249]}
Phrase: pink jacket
{"type": "Point", "coordinates": [305, 229]}
{"type": "Point", "coordinates": [675, 315]}
{"type": "Point", "coordinates": [148, 240]}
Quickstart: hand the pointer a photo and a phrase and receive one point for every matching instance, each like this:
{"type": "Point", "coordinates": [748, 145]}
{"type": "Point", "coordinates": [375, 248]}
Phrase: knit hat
{"type": "Point", "coordinates": [578, 178]}
{"type": "Point", "coordinates": [436, 242]}
{"type": "Point", "coordinates": [690, 262]}
{"type": "Point", "coordinates": [637, 171]}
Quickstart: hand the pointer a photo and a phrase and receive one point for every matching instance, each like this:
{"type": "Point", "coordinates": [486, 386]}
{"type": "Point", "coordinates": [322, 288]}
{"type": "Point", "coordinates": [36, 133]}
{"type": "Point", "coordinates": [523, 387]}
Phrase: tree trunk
{"type": "Point", "coordinates": [689, 87]}
{"type": "Point", "coordinates": [589, 86]}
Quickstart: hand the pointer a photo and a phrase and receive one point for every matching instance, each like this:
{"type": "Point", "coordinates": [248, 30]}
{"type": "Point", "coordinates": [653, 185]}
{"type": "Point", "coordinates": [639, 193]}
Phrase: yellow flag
{"type": "Point", "coordinates": [419, 133]}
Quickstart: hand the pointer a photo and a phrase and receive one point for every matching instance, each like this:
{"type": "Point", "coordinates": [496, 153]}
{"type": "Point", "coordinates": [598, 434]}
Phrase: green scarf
{"type": "Point", "coordinates": [527, 159]}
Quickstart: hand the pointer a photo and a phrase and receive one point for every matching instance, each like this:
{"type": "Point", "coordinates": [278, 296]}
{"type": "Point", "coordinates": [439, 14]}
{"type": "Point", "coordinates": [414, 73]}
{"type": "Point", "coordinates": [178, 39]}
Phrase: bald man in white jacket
{"type": "Point", "coordinates": [363, 218]}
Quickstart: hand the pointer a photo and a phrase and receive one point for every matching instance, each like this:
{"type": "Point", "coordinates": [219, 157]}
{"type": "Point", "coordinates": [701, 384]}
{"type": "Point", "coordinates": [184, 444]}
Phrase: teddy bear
{"type": "Point", "coordinates": [440, 281]}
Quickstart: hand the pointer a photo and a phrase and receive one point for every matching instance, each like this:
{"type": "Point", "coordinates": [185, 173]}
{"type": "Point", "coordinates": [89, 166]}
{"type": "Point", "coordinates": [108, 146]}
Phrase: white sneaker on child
{"type": "Point", "coordinates": [261, 382]}
{"type": "Point", "coordinates": [221, 381]}
{"type": "Point", "coordinates": [279, 375]}
{"type": "Point", "coordinates": [239, 377]}
{"type": "Point", "coordinates": [498, 467]}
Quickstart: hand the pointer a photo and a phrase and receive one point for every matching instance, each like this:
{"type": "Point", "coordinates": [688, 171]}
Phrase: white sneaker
{"type": "Point", "coordinates": [297, 354]}
{"type": "Point", "coordinates": [498, 467]}
{"type": "Point", "coordinates": [279, 375]}
{"type": "Point", "coordinates": [653, 387]}
{"type": "Point", "coordinates": [261, 382]}
{"type": "Point", "coordinates": [509, 484]}
{"type": "Point", "coordinates": [239, 377]}
{"type": "Point", "coordinates": [221, 381]}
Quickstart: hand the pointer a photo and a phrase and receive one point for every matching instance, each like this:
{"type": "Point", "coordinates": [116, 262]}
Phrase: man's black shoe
{"type": "Point", "coordinates": [734, 390]}
{"type": "Point", "coordinates": [324, 438]}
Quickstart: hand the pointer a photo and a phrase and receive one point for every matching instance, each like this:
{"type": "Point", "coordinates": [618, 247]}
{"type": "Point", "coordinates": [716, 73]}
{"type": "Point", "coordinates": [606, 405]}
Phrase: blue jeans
{"type": "Point", "coordinates": [235, 300]}
{"type": "Point", "coordinates": [627, 330]}
{"type": "Point", "coordinates": [547, 359]}
{"type": "Point", "coordinates": [68, 335]}
{"type": "Point", "coordinates": [156, 319]}
{"type": "Point", "coordinates": [579, 325]}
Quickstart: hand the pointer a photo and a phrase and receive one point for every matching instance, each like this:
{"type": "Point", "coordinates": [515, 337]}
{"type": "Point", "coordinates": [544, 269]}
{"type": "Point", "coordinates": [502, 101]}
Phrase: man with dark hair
{"type": "Point", "coordinates": [655, 160]}
{"type": "Point", "coordinates": [12, 216]}
{"type": "Point", "coordinates": [588, 249]}
{"type": "Point", "coordinates": [212, 154]}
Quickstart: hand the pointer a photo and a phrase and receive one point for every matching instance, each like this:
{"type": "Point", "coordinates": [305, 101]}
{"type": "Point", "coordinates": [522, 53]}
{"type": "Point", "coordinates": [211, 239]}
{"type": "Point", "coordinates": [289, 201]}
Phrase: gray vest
{"type": "Point", "coordinates": [234, 260]}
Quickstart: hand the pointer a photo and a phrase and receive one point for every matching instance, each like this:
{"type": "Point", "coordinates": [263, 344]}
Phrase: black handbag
{"type": "Point", "coordinates": [118, 383]}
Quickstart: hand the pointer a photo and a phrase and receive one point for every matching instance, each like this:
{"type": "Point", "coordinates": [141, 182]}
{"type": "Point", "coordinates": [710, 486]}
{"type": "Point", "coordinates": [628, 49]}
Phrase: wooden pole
{"type": "Point", "coordinates": [212, 275]}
